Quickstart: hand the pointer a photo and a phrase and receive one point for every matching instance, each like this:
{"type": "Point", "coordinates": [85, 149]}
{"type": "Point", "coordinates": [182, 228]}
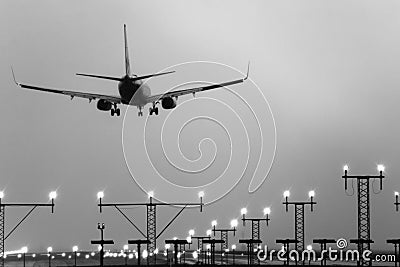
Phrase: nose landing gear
{"type": "Point", "coordinates": [140, 113]}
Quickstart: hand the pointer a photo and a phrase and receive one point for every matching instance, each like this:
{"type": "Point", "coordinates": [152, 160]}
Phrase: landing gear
{"type": "Point", "coordinates": [140, 113]}
{"type": "Point", "coordinates": [115, 110]}
{"type": "Point", "coordinates": [153, 109]}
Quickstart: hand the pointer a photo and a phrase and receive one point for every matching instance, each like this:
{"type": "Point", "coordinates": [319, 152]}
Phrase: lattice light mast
{"type": "Point", "coordinates": [151, 208]}
{"type": "Point", "coordinates": [299, 218]}
{"type": "Point", "coordinates": [3, 236]}
{"type": "Point", "coordinates": [255, 222]}
{"type": "Point", "coordinates": [363, 201]}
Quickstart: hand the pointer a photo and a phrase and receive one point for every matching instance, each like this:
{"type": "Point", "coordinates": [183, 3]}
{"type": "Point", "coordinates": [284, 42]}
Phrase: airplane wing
{"type": "Point", "coordinates": [72, 94]}
{"type": "Point", "coordinates": [156, 98]}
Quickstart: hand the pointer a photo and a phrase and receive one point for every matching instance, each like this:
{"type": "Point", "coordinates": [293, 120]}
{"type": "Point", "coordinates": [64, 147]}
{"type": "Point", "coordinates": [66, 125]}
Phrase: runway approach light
{"type": "Point", "coordinates": [309, 247]}
{"type": "Point", "coordinates": [49, 249]}
{"type": "Point", "coordinates": [126, 247]}
{"type": "Point", "coordinates": [243, 211]}
{"type": "Point", "coordinates": [214, 223]}
{"type": "Point", "coordinates": [233, 247]}
{"type": "Point", "coordinates": [311, 194]}
{"type": "Point", "coordinates": [191, 232]}
{"type": "Point", "coordinates": [53, 195]}
{"type": "Point", "coordinates": [208, 233]}
{"type": "Point", "coordinates": [381, 168]}
{"type": "Point", "coordinates": [189, 239]}
{"type": "Point", "coordinates": [1, 194]}
{"type": "Point", "coordinates": [24, 250]}
{"type": "Point", "coordinates": [74, 248]}
{"type": "Point", "coordinates": [267, 211]}
{"type": "Point", "coordinates": [156, 251]}
{"type": "Point", "coordinates": [100, 194]}
{"type": "Point", "coordinates": [286, 193]}
{"type": "Point", "coordinates": [167, 246]}
{"type": "Point", "coordinates": [195, 255]}
{"type": "Point", "coordinates": [346, 168]}
{"type": "Point", "coordinates": [201, 194]}
{"type": "Point", "coordinates": [234, 223]}
{"type": "Point", "coordinates": [150, 194]}
{"type": "Point", "coordinates": [396, 194]}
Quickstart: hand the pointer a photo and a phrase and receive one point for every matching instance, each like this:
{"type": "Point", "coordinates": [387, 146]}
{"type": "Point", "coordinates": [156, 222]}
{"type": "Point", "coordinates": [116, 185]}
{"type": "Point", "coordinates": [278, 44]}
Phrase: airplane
{"type": "Point", "coordinates": [132, 90]}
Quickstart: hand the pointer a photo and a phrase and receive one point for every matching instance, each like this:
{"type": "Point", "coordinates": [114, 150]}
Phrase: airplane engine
{"type": "Point", "coordinates": [168, 103]}
{"type": "Point", "coordinates": [104, 105]}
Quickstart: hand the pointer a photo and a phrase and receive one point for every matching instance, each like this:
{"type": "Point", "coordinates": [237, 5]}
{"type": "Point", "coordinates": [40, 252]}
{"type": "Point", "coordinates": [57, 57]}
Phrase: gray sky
{"type": "Point", "coordinates": [327, 68]}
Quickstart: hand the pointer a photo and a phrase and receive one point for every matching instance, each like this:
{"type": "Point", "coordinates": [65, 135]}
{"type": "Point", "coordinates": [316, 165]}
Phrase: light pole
{"type": "Point", "coordinates": [395, 242]}
{"type": "Point", "coordinates": [167, 247]}
{"type": "Point", "coordinates": [49, 250]}
{"type": "Point", "coordinates": [201, 196]}
{"type": "Point", "coordinates": [126, 247]}
{"type": "Point", "coordinates": [101, 242]}
{"type": "Point", "coordinates": [309, 248]}
{"type": "Point", "coordinates": [24, 250]}
{"type": "Point", "coordinates": [233, 253]}
{"type": "Point", "coordinates": [75, 250]}
{"type": "Point", "coordinates": [155, 256]}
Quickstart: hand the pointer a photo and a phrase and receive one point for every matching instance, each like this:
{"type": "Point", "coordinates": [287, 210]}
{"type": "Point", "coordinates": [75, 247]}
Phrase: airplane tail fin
{"type": "Point", "coordinates": [127, 65]}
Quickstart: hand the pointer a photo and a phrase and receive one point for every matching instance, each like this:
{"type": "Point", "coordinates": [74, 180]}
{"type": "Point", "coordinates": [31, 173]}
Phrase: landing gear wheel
{"type": "Point", "coordinates": [156, 111]}
{"type": "Point", "coordinates": [151, 111]}
{"type": "Point", "coordinates": [112, 112]}
{"type": "Point", "coordinates": [118, 112]}
{"type": "Point", "coordinates": [140, 113]}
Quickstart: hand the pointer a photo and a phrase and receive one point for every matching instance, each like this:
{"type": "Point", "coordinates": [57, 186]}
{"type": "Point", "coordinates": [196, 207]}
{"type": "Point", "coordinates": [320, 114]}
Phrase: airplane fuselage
{"type": "Point", "coordinates": [133, 92]}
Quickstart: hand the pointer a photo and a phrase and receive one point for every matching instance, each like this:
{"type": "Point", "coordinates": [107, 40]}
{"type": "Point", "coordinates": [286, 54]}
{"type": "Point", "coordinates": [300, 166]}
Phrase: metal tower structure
{"type": "Point", "coordinates": [255, 222]}
{"type": "Point", "coordinates": [363, 211]}
{"type": "Point", "coordinates": [299, 218]}
{"type": "Point", "coordinates": [224, 234]}
{"type": "Point", "coordinates": [151, 227]}
{"type": "Point", "coordinates": [255, 230]}
{"type": "Point", "coordinates": [151, 220]}
{"type": "Point", "coordinates": [3, 206]}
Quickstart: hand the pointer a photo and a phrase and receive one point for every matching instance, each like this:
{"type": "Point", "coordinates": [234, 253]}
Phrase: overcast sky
{"type": "Point", "coordinates": [328, 69]}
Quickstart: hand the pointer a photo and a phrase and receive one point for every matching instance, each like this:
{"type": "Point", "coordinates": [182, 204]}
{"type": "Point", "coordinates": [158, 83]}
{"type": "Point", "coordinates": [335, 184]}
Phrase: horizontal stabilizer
{"type": "Point", "coordinates": [100, 77]}
{"type": "Point", "coordinates": [150, 75]}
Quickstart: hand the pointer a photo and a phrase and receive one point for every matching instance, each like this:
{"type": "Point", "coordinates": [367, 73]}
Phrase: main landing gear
{"type": "Point", "coordinates": [115, 110]}
{"type": "Point", "coordinates": [153, 109]}
{"type": "Point", "coordinates": [140, 113]}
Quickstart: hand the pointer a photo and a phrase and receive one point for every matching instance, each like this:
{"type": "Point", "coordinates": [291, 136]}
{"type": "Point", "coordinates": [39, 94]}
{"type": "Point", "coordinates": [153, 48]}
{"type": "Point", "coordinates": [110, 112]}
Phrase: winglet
{"type": "Point", "coordinates": [15, 81]}
{"type": "Point", "coordinates": [247, 74]}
